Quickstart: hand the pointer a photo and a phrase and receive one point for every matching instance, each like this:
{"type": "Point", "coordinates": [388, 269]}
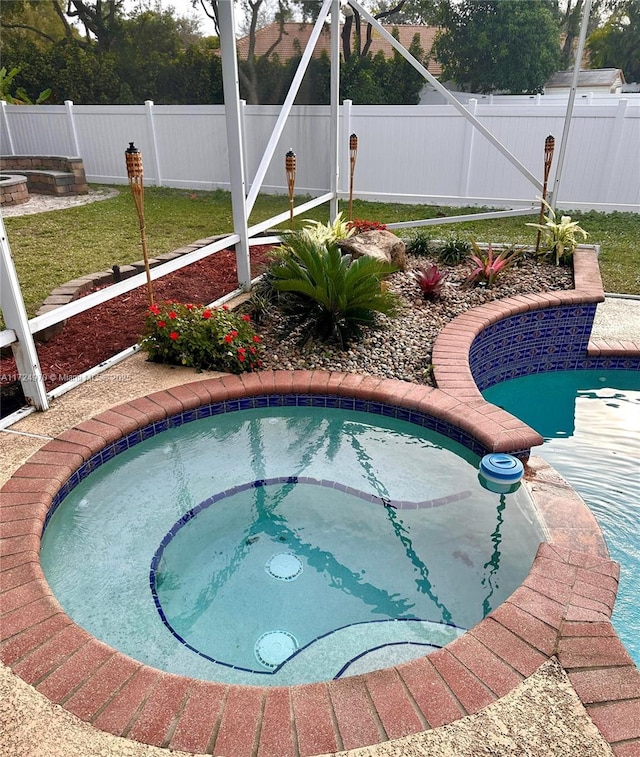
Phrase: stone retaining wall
{"type": "Point", "coordinates": [58, 175]}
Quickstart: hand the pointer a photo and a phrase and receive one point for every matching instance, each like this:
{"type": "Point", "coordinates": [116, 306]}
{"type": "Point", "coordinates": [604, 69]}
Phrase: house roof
{"type": "Point", "coordinates": [296, 35]}
{"type": "Point", "coordinates": [597, 77]}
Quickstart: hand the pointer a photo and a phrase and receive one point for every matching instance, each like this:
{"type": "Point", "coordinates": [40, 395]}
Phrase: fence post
{"type": "Point", "coordinates": [148, 105]}
{"type": "Point", "coordinates": [68, 104]}
{"type": "Point", "coordinates": [243, 131]}
{"type": "Point", "coordinates": [467, 151]}
{"type": "Point", "coordinates": [615, 144]}
{"type": "Point", "coordinates": [5, 118]}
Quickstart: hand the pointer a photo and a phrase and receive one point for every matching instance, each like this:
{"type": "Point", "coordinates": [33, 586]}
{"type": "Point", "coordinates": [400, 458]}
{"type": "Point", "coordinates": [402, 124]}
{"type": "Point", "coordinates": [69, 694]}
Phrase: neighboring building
{"type": "Point", "coordinates": [597, 80]}
{"type": "Point", "coordinates": [296, 35]}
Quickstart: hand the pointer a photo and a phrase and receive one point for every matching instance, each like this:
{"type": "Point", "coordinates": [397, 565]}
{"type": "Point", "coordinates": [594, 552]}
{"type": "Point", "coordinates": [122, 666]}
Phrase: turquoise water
{"type": "Point", "coordinates": [590, 421]}
{"type": "Point", "coordinates": [286, 545]}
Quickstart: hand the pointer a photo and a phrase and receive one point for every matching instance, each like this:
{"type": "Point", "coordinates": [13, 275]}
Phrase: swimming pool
{"type": "Point", "coordinates": [181, 557]}
{"type": "Point", "coordinates": [590, 421]}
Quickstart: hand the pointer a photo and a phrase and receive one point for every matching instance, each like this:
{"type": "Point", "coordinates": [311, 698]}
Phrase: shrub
{"type": "Point", "coordinates": [487, 266]}
{"type": "Point", "coordinates": [328, 295]}
{"type": "Point", "coordinates": [419, 242]}
{"type": "Point", "coordinates": [201, 337]}
{"type": "Point", "coordinates": [330, 232]}
{"type": "Point", "coordinates": [430, 280]}
{"type": "Point", "coordinates": [359, 226]}
{"type": "Point", "coordinates": [559, 239]}
{"type": "Point", "coordinates": [454, 250]}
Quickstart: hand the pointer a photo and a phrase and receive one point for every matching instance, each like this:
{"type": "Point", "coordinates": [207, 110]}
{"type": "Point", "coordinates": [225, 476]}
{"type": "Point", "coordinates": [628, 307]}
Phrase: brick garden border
{"type": "Point", "coordinates": [562, 608]}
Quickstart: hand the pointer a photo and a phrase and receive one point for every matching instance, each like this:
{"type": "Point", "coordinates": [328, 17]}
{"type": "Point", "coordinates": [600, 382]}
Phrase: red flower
{"type": "Point", "coordinates": [206, 314]}
{"type": "Point", "coordinates": [234, 333]}
{"type": "Point", "coordinates": [259, 363]}
{"type": "Point", "coordinates": [246, 318]}
{"type": "Point", "coordinates": [241, 350]}
{"type": "Point", "coordinates": [256, 339]}
{"type": "Point", "coordinates": [162, 324]}
{"type": "Point", "coordinates": [172, 314]}
{"type": "Point", "coordinates": [228, 338]}
{"type": "Point", "coordinates": [241, 358]}
{"type": "Point", "coordinates": [225, 307]}
{"type": "Point", "coordinates": [189, 306]}
{"type": "Point", "coordinates": [174, 335]}
{"type": "Point", "coordinates": [252, 350]}
{"type": "Point", "coordinates": [154, 309]}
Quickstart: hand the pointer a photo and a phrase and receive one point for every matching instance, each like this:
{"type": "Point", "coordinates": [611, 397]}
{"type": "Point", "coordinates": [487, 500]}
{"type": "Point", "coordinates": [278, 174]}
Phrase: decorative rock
{"type": "Point", "coordinates": [382, 245]}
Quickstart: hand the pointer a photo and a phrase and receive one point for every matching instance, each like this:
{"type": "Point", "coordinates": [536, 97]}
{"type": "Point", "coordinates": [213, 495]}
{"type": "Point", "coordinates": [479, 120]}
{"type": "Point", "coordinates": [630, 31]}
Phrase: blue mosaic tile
{"type": "Point", "coordinates": [204, 411]}
{"type": "Point", "coordinates": [275, 400]}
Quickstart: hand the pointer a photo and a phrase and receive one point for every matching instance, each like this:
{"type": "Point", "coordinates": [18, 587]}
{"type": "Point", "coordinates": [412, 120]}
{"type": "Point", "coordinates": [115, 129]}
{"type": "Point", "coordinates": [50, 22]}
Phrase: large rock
{"type": "Point", "coordinates": [382, 245]}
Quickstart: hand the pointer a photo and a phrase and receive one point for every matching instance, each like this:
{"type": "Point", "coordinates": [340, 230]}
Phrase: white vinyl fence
{"type": "Point", "coordinates": [422, 153]}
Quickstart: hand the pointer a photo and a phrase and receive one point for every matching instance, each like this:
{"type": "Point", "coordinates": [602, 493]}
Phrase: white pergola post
{"type": "Point", "coordinates": [15, 317]}
{"type": "Point", "coordinates": [335, 109]}
{"type": "Point", "coordinates": [233, 116]}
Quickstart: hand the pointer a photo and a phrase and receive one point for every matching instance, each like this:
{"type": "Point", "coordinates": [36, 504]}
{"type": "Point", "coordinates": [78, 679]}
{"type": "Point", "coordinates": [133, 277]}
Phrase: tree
{"type": "Point", "coordinates": [569, 15]}
{"type": "Point", "coordinates": [497, 45]}
{"type": "Point", "coordinates": [617, 43]}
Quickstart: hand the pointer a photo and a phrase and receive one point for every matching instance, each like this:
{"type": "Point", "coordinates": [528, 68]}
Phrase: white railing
{"type": "Point", "coordinates": [418, 154]}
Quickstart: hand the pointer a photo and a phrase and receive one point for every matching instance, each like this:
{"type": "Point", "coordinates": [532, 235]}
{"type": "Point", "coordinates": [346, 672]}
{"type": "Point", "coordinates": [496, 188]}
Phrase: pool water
{"type": "Point", "coordinates": [286, 545]}
{"type": "Point", "coordinates": [590, 421]}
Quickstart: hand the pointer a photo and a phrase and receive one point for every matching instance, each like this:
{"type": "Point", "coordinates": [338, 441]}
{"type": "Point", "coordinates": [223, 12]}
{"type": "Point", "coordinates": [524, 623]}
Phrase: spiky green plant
{"type": "Point", "coordinates": [327, 295]}
{"type": "Point", "coordinates": [454, 250]}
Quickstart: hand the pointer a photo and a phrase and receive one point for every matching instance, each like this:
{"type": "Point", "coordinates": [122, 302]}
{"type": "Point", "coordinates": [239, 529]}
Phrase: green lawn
{"type": "Point", "coordinates": [52, 248]}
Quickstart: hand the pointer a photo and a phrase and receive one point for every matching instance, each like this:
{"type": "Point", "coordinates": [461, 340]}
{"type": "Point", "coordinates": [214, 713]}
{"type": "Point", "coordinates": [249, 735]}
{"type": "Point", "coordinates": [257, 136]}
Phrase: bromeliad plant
{"type": "Point", "coordinates": [201, 337]}
{"type": "Point", "coordinates": [327, 295]}
{"type": "Point", "coordinates": [487, 266]}
{"type": "Point", "coordinates": [430, 279]}
{"type": "Point", "coordinates": [559, 239]}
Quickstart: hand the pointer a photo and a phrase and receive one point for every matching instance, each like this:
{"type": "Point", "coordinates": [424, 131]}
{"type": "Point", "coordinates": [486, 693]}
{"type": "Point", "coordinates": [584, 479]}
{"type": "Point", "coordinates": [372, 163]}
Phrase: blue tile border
{"type": "Point", "coordinates": [415, 417]}
{"type": "Point", "coordinates": [550, 339]}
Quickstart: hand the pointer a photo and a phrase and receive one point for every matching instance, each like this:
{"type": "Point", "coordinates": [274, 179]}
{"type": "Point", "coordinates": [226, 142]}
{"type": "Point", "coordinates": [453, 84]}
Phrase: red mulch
{"type": "Point", "coordinates": [91, 337]}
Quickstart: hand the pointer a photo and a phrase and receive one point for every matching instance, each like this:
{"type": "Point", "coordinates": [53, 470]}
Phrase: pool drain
{"type": "Point", "coordinates": [274, 647]}
{"type": "Point", "coordinates": [284, 566]}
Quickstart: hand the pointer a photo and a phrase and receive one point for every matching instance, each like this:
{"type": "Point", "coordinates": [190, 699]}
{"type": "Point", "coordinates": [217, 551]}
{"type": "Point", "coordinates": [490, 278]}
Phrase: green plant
{"type": "Point", "coordinates": [201, 337]}
{"type": "Point", "coordinates": [488, 266]}
{"type": "Point", "coordinates": [454, 250]}
{"type": "Point", "coordinates": [329, 232]}
{"type": "Point", "coordinates": [328, 295]}
{"type": "Point", "coordinates": [559, 238]}
{"type": "Point", "coordinates": [419, 242]}
{"type": "Point", "coordinates": [430, 280]}
{"type": "Point", "coordinates": [20, 97]}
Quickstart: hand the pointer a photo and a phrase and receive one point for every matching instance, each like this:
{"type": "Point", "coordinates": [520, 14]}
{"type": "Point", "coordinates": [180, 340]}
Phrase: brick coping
{"type": "Point", "coordinates": [562, 609]}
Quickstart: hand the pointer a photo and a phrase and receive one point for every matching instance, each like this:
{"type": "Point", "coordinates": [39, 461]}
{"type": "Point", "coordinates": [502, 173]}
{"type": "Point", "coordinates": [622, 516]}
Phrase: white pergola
{"type": "Point", "coordinates": [19, 330]}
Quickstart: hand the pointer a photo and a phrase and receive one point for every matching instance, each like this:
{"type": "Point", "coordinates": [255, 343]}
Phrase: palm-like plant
{"type": "Point", "coordinates": [328, 295]}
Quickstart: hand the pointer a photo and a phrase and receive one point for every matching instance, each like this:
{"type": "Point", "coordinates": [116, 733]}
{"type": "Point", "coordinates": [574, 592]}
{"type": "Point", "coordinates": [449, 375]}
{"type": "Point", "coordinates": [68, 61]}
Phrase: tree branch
{"type": "Point", "coordinates": [30, 29]}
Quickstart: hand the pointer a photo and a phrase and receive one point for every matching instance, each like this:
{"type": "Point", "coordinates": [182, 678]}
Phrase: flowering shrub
{"type": "Point", "coordinates": [430, 279]}
{"type": "Point", "coordinates": [201, 337]}
{"type": "Point", "coordinates": [359, 226]}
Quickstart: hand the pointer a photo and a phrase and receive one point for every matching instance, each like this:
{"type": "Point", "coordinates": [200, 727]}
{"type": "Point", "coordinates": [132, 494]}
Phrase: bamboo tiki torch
{"type": "Point", "coordinates": [135, 173]}
{"type": "Point", "coordinates": [353, 153]}
{"type": "Point", "coordinates": [290, 168]}
{"type": "Point", "coordinates": [549, 145]}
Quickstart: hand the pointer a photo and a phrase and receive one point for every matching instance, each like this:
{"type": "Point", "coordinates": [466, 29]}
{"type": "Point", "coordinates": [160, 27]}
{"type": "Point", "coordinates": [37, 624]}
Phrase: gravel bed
{"type": "Point", "coordinates": [401, 347]}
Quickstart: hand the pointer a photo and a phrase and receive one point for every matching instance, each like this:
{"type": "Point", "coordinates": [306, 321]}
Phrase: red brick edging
{"type": "Point", "coordinates": [562, 608]}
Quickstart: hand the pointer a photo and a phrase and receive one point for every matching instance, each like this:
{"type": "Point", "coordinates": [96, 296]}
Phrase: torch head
{"type": "Point", "coordinates": [133, 156]}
